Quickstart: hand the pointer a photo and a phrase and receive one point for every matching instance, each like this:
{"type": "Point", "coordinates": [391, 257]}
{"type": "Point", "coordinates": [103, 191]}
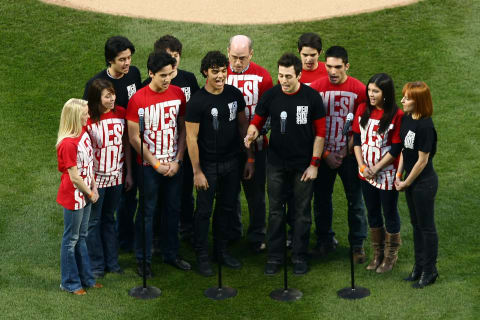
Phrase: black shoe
{"type": "Point", "coordinates": [272, 268]}
{"type": "Point", "coordinates": [98, 274]}
{"type": "Point", "coordinates": [117, 271]}
{"type": "Point", "coordinates": [148, 270]}
{"type": "Point", "coordinates": [204, 267]}
{"type": "Point", "coordinates": [425, 280]}
{"type": "Point", "coordinates": [300, 267]}
{"type": "Point", "coordinates": [324, 248]}
{"type": "Point", "coordinates": [415, 274]}
{"type": "Point", "coordinates": [258, 247]}
{"type": "Point", "coordinates": [179, 263]}
{"type": "Point", "coordinates": [229, 261]}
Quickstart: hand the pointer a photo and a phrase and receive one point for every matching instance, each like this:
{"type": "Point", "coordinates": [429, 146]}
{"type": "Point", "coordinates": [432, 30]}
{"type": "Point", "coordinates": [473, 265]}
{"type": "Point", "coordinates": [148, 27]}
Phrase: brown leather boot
{"type": "Point", "coordinates": [392, 244]}
{"type": "Point", "coordinates": [377, 236]}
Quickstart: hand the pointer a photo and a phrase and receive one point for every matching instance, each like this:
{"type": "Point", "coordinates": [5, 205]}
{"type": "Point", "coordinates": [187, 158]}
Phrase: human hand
{"type": "Point", "coordinates": [309, 174]}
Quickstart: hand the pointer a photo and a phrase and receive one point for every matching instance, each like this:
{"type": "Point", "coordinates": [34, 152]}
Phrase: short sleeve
{"type": "Point", "coordinates": [396, 127]}
{"type": "Point", "coordinates": [262, 106]}
{"type": "Point", "coordinates": [356, 120]}
{"type": "Point", "coordinates": [425, 138]}
{"type": "Point", "coordinates": [68, 153]}
{"type": "Point", "coordinates": [194, 110]}
{"type": "Point", "coordinates": [132, 109]}
{"type": "Point", "coordinates": [318, 108]}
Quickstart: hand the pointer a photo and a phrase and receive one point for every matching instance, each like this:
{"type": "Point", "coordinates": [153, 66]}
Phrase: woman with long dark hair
{"type": "Point", "coordinates": [107, 129]}
{"type": "Point", "coordinates": [376, 130]}
{"type": "Point", "coordinates": [419, 142]}
{"type": "Point", "coordinates": [76, 194]}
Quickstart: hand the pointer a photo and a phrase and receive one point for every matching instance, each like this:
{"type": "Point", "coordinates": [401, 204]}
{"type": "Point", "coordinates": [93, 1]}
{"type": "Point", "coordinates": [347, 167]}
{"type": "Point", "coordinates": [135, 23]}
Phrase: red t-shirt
{"type": "Point", "coordinates": [339, 100]}
{"type": "Point", "coordinates": [162, 110]}
{"type": "Point", "coordinates": [106, 135]}
{"type": "Point", "coordinates": [253, 82]}
{"type": "Point", "coordinates": [310, 76]}
{"type": "Point", "coordinates": [74, 152]}
{"type": "Point", "coordinates": [375, 145]}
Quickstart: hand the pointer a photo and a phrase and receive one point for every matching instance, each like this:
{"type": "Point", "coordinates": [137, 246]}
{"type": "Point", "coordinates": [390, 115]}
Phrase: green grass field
{"type": "Point", "coordinates": [48, 53]}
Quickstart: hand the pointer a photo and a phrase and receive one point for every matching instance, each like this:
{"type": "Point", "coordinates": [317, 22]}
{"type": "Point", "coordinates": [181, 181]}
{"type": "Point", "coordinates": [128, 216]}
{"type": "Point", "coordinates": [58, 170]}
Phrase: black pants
{"type": "Point", "coordinates": [224, 189]}
{"type": "Point", "coordinates": [420, 200]}
{"type": "Point", "coordinates": [278, 180]}
{"type": "Point", "coordinates": [376, 201]}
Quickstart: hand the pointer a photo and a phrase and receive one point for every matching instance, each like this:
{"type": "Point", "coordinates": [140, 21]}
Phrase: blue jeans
{"type": "Point", "coordinates": [279, 180]}
{"type": "Point", "coordinates": [102, 239]}
{"type": "Point", "coordinates": [74, 261]}
{"type": "Point", "coordinates": [322, 203]}
{"type": "Point", "coordinates": [155, 188]}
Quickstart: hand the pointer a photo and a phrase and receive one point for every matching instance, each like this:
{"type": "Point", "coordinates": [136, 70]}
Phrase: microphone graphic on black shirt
{"type": "Point", "coordinates": [215, 118]}
{"type": "Point", "coordinates": [283, 122]}
{"type": "Point", "coordinates": [141, 120]}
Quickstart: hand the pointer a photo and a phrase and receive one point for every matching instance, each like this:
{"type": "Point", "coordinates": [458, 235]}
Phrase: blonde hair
{"type": "Point", "coordinates": [71, 119]}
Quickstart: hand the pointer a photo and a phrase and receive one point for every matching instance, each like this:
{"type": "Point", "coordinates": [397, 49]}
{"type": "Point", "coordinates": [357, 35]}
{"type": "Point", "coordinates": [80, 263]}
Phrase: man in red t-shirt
{"type": "Point", "coordinates": [252, 80]}
{"type": "Point", "coordinates": [341, 95]}
{"type": "Point", "coordinates": [160, 179]}
{"type": "Point", "coordinates": [310, 48]}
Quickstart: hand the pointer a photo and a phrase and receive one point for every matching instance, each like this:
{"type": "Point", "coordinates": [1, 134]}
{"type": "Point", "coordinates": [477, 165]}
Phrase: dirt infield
{"type": "Point", "coordinates": [232, 12]}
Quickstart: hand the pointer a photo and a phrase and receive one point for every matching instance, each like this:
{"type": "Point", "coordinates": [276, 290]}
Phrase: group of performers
{"type": "Point", "coordinates": [241, 130]}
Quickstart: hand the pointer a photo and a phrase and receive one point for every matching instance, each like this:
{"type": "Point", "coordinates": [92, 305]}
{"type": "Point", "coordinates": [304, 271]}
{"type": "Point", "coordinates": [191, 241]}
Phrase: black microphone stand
{"type": "Point", "coordinates": [352, 292]}
{"type": "Point", "coordinates": [144, 292]}
{"type": "Point", "coordinates": [220, 292]}
{"type": "Point", "coordinates": [285, 293]}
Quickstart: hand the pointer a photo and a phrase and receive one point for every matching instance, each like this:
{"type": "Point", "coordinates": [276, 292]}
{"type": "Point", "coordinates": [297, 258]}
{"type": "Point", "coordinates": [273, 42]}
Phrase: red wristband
{"type": "Point", "coordinates": [325, 154]}
{"type": "Point", "coordinates": [315, 162]}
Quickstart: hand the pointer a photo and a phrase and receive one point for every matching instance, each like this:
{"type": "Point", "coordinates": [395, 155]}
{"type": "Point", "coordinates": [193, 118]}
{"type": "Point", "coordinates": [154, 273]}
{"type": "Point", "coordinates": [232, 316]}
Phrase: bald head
{"type": "Point", "coordinates": [239, 52]}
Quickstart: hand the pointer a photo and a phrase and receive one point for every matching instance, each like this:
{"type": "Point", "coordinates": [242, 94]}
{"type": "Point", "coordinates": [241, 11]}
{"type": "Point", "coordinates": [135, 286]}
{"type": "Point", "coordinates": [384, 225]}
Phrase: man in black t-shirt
{"type": "Point", "coordinates": [296, 143]}
{"type": "Point", "coordinates": [189, 85]}
{"type": "Point", "coordinates": [215, 121]}
{"type": "Point", "coordinates": [126, 80]}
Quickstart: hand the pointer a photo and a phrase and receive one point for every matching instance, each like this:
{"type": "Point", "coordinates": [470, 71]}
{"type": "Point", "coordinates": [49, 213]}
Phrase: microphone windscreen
{"type": "Point", "coordinates": [350, 116]}
{"type": "Point", "coordinates": [283, 115]}
{"type": "Point", "coordinates": [214, 112]}
{"type": "Point", "coordinates": [141, 112]}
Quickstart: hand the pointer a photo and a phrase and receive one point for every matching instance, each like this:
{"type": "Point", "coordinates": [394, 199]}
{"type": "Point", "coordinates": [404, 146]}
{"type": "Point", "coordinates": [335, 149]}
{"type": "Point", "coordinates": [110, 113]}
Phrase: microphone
{"type": "Point", "coordinates": [348, 124]}
{"type": "Point", "coordinates": [283, 122]}
{"type": "Point", "coordinates": [215, 118]}
{"type": "Point", "coordinates": [141, 120]}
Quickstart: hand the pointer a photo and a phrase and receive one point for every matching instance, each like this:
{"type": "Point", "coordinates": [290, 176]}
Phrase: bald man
{"type": "Point", "coordinates": [252, 80]}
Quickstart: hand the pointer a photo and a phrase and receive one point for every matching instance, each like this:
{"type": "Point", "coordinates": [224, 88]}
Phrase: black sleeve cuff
{"type": "Point", "coordinates": [396, 149]}
{"type": "Point", "coordinates": [357, 141]}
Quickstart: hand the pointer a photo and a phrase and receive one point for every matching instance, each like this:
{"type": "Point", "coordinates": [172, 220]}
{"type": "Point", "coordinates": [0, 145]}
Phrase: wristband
{"type": "Point", "coordinates": [251, 160]}
{"type": "Point", "coordinates": [399, 175]}
{"type": "Point", "coordinates": [325, 154]}
{"type": "Point", "coordinates": [315, 161]}
{"type": "Point", "coordinates": [362, 168]}
{"type": "Point", "coordinates": [156, 165]}
{"type": "Point", "coordinates": [90, 195]}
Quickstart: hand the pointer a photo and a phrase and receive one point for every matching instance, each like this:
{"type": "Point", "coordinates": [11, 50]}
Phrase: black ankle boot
{"type": "Point", "coordinates": [426, 279]}
{"type": "Point", "coordinates": [415, 274]}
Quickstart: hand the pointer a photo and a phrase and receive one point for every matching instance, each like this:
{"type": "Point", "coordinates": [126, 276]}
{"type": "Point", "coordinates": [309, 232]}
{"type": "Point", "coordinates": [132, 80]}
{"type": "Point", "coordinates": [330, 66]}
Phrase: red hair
{"type": "Point", "coordinates": [419, 92]}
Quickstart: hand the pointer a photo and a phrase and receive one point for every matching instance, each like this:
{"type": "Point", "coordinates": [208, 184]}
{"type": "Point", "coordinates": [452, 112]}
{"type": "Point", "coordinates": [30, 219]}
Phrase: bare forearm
{"type": "Point", "coordinates": [318, 146]}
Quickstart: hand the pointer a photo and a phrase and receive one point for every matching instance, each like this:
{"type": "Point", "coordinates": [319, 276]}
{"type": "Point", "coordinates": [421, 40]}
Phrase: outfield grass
{"type": "Point", "coordinates": [48, 53]}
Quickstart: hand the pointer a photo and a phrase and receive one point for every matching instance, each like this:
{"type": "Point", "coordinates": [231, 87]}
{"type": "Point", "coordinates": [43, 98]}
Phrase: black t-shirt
{"type": "Point", "coordinates": [185, 80]}
{"type": "Point", "coordinates": [418, 135]}
{"type": "Point", "coordinates": [229, 104]}
{"type": "Point", "coordinates": [294, 148]}
{"type": "Point", "coordinates": [125, 87]}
